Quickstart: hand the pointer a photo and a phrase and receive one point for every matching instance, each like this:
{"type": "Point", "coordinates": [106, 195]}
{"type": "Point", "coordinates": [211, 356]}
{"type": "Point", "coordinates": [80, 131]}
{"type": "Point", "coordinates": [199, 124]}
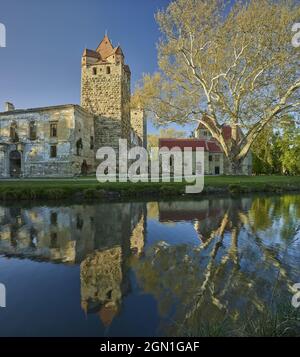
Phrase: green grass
{"type": "Point", "coordinates": [278, 319]}
{"type": "Point", "coordinates": [89, 188]}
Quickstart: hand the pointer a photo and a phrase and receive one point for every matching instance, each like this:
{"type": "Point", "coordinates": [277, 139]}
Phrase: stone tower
{"type": "Point", "coordinates": [139, 125]}
{"type": "Point", "coordinates": [105, 92]}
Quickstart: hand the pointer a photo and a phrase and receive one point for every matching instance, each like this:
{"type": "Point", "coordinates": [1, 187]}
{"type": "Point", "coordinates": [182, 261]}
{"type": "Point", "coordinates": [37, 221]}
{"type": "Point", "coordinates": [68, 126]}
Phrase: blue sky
{"type": "Point", "coordinates": [45, 39]}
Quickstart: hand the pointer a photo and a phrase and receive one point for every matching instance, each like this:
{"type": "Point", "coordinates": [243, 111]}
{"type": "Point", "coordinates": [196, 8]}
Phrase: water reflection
{"type": "Point", "coordinates": [199, 260]}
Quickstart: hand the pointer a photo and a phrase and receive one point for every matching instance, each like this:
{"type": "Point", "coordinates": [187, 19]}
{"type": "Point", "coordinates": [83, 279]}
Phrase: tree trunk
{"type": "Point", "coordinates": [236, 167]}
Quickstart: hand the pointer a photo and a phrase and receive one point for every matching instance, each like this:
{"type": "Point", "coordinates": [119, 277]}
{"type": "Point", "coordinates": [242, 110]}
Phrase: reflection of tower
{"type": "Point", "coordinates": [100, 236]}
{"type": "Point", "coordinates": [101, 278]}
{"type": "Point", "coordinates": [137, 239]}
{"type": "Point", "coordinates": [103, 273]}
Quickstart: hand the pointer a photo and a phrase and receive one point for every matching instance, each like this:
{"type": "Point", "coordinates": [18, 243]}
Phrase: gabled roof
{"type": "Point", "coordinates": [91, 53]}
{"type": "Point", "coordinates": [105, 48]}
{"type": "Point", "coordinates": [103, 51]}
{"type": "Point", "coordinates": [208, 145]}
{"type": "Point", "coordinates": [226, 131]}
{"type": "Point", "coordinates": [118, 51]}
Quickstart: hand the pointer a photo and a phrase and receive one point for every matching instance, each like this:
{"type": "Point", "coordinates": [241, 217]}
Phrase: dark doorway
{"type": "Point", "coordinates": [15, 163]}
{"type": "Point", "coordinates": [217, 170]}
{"type": "Point", "coordinates": [84, 168]}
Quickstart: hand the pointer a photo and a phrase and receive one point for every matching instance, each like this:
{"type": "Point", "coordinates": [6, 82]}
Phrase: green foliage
{"type": "Point", "coordinates": [153, 139]}
{"type": "Point", "coordinates": [277, 151]}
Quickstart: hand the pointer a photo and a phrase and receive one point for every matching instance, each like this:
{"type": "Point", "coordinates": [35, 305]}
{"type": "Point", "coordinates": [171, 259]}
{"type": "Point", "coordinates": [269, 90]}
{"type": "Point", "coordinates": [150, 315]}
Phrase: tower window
{"type": "Point", "coordinates": [53, 151]}
{"type": "Point", "coordinates": [94, 71]}
{"type": "Point", "coordinates": [32, 130]}
{"type": "Point", "coordinates": [107, 70]}
{"type": "Point", "coordinates": [92, 143]}
{"type": "Point", "coordinates": [53, 130]}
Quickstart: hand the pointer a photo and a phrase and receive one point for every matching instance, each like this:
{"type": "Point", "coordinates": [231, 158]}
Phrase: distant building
{"type": "Point", "coordinates": [215, 162]}
{"type": "Point", "coordinates": [62, 140]}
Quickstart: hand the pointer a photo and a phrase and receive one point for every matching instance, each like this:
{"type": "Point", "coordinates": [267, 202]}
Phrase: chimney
{"type": "Point", "coordinates": [9, 107]}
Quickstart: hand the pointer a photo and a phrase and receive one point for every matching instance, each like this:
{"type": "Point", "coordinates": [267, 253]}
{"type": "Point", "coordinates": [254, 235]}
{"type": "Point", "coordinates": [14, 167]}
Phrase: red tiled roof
{"type": "Point", "coordinates": [186, 215]}
{"type": "Point", "coordinates": [226, 130]}
{"type": "Point", "coordinates": [209, 146]}
{"type": "Point", "coordinates": [182, 143]}
{"type": "Point", "coordinates": [105, 47]}
{"type": "Point", "coordinates": [213, 146]}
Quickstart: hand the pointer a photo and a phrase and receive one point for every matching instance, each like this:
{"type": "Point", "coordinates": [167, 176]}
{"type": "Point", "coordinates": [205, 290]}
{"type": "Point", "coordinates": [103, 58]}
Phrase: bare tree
{"type": "Point", "coordinates": [222, 64]}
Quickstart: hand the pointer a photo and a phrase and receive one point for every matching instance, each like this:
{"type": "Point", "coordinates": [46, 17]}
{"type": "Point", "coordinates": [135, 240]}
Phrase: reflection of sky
{"type": "Point", "coordinates": [287, 247]}
{"type": "Point", "coordinates": [171, 233]}
{"type": "Point", "coordinates": [154, 284]}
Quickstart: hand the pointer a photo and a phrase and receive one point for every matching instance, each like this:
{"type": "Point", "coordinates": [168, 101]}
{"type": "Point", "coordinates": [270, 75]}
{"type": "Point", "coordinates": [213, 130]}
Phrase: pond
{"type": "Point", "coordinates": [219, 266]}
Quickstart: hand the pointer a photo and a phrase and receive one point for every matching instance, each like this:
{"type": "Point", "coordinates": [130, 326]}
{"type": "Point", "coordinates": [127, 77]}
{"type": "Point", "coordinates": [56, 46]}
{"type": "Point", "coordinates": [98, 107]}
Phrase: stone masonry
{"type": "Point", "coordinates": [61, 141]}
{"type": "Point", "coordinates": [105, 92]}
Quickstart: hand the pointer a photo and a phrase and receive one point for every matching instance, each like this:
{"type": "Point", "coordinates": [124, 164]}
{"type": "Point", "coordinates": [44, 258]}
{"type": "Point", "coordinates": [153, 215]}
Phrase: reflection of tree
{"type": "Point", "coordinates": [233, 269]}
{"type": "Point", "coordinates": [246, 249]}
{"type": "Point", "coordinates": [265, 211]}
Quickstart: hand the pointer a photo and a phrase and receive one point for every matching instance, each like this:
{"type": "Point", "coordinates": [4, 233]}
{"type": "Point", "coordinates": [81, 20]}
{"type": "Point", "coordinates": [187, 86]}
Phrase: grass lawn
{"type": "Point", "coordinates": [89, 187]}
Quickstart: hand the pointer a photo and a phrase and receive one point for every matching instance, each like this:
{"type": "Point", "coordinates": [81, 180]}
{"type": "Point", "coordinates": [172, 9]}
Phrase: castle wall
{"type": "Point", "coordinates": [139, 125]}
{"type": "Point", "coordinates": [36, 160]}
{"type": "Point", "coordinates": [107, 96]}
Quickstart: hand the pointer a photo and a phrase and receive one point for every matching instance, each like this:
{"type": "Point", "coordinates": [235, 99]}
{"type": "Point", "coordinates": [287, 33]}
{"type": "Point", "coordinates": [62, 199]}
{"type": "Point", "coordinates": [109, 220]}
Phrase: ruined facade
{"type": "Point", "coordinates": [61, 141]}
{"type": "Point", "coordinates": [46, 142]}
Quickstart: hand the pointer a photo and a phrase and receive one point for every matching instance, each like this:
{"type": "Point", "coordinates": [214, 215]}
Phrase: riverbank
{"type": "Point", "coordinates": [89, 188]}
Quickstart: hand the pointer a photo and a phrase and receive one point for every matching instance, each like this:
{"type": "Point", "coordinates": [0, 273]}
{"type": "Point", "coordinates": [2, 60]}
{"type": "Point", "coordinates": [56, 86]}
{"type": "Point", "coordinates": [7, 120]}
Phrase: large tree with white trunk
{"type": "Point", "coordinates": [225, 64]}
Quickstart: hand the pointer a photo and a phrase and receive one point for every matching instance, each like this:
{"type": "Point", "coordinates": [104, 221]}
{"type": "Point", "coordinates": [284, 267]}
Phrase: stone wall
{"type": "Point", "coordinates": [36, 160]}
{"type": "Point", "coordinates": [139, 125]}
{"type": "Point", "coordinates": [105, 92]}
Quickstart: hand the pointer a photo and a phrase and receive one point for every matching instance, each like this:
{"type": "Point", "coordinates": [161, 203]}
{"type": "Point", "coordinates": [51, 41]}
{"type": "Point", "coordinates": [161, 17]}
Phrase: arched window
{"type": "Point", "coordinates": [94, 71]}
{"type": "Point", "coordinates": [32, 130]}
{"type": "Point", "coordinates": [108, 70]}
{"type": "Point", "coordinates": [13, 132]}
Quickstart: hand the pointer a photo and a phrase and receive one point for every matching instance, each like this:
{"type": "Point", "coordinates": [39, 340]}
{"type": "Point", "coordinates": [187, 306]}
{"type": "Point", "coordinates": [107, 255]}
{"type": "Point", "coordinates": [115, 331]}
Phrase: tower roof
{"type": "Point", "coordinates": [105, 48]}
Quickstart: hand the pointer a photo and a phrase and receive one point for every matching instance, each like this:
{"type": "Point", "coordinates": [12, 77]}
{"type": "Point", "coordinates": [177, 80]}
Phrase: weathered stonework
{"type": "Point", "coordinates": [139, 126]}
{"type": "Point", "coordinates": [72, 123]}
{"type": "Point", "coordinates": [101, 120]}
{"type": "Point", "coordinates": [105, 92]}
{"type": "Point", "coordinates": [100, 240]}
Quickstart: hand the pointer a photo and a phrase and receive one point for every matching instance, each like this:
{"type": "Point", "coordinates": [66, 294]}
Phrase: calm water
{"type": "Point", "coordinates": [145, 269]}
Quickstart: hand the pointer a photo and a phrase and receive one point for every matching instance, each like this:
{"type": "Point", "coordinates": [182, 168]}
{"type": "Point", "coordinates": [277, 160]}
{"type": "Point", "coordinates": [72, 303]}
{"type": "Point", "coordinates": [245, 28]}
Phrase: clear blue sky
{"type": "Point", "coordinates": [45, 39]}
